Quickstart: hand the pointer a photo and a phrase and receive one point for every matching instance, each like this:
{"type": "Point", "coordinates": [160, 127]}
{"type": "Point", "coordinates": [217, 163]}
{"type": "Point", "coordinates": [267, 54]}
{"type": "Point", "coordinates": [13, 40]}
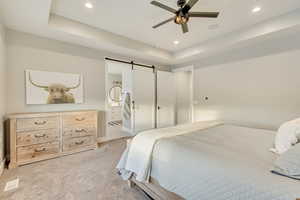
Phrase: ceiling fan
{"type": "Point", "coordinates": [182, 15]}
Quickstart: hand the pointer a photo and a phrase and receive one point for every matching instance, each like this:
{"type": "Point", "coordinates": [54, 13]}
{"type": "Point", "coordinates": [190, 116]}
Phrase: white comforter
{"type": "Point", "coordinates": [226, 162]}
{"type": "Point", "coordinates": [137, 157]}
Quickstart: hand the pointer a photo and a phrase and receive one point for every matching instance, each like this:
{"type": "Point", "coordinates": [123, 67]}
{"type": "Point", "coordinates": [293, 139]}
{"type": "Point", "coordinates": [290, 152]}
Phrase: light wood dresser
{"type": "Point", "coordinates": [34, 137]}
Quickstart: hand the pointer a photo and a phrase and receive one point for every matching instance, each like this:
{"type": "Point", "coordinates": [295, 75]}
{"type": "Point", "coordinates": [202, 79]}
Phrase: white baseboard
{"type": "Point", "coordinates": [2, 165]}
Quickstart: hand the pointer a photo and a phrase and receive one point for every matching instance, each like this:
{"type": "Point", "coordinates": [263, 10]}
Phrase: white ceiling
{"type": "Point", "coordinates": [124, 27]}
{"type": "Point", "coordinates": [135, 18]}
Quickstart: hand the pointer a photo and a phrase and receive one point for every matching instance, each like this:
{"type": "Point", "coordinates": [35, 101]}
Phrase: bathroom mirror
{"type": "Point", "coordinates": [115, 93]}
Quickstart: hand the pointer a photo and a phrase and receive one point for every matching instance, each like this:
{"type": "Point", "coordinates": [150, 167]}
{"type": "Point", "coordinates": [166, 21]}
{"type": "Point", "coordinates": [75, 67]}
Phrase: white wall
{"type": "Point", "coordinates": [3, 87]}
{"type": "Point", "coordinates": [26, 51]}
{"type": "Point", "coordinates": [21, 58]}
{"type": "Point", "coordinates": [261, 91]}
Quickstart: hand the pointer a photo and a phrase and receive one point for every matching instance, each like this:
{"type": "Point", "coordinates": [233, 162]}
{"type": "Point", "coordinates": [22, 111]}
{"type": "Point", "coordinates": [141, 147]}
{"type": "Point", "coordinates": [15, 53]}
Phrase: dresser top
{"type": "Point", "coordinates": [44, 114]}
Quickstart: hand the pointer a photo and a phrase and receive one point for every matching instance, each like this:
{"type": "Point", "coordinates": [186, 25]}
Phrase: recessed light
{"type": "Point", "coordinates": [256, 9]}
{"type": "Point", "coordinates": [89, 5]}
{"type": "Point", "coordinates": [176, 42]}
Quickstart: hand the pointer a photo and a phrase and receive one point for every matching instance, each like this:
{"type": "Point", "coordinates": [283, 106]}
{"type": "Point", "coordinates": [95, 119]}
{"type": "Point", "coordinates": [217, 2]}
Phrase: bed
{"type": "Point", "coordinates": [216, 161]}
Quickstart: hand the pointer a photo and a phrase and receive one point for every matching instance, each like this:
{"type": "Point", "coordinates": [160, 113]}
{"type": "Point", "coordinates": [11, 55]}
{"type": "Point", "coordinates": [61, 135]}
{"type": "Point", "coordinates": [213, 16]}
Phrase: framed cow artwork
{"type": "Point", "coordinates": [44, 87]}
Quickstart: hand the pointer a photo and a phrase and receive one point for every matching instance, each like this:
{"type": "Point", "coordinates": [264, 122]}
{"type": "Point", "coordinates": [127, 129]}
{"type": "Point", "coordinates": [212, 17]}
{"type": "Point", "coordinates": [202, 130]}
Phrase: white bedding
{"type": "Point", "coordinates": [210, 161]}
{"type": "Point", "coordinates": [286, 136]}
{"type": "Point", "coordinates": [221, 163]}
{"type": "Point", "coordinates": [137, 157]}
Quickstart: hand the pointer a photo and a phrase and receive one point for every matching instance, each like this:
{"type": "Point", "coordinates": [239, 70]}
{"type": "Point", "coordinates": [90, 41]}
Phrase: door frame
{"type": "Point", "coordinates": [189, 68]}
{"type": "Point", "coordinates": [106, 106]}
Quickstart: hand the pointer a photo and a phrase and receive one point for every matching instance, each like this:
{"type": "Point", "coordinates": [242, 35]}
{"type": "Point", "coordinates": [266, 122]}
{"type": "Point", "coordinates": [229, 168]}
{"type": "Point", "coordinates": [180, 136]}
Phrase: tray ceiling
{"type": "Point", "coordinates": [125, 27]}
{"type": "Point", "coordinates": [134, 19]}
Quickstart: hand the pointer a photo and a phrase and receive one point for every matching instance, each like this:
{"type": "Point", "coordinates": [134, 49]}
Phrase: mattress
{"type": "Point", "coordinates": [226, 162]}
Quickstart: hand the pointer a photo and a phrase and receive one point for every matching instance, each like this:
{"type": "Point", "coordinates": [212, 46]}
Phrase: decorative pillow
{"type": "Point", "coordinates": [287, 135]}
{"type": "Point", "coordinates": [288, 164]}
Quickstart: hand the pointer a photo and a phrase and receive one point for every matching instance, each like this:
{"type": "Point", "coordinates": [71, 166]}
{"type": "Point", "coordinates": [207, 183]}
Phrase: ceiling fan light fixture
{"type": "Point", "coordinates": [181, 19]}
{"type": "Point", "coordinates": [182, 14]}
{"type": "Point", "coordinates": [176, 42]}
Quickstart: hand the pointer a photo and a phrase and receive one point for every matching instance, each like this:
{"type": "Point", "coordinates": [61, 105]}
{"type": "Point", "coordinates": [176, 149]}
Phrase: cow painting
{"type": "Point", "coordinates": [58, 93]}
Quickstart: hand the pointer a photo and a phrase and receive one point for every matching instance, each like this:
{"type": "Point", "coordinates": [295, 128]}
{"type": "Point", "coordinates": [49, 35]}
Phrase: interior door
{"type": "Point", "coordinates": [143, 99]}
{"type": "Point", "coordinates": [166, 99]}
{"type": "Point", "coordinates": [183, 97]}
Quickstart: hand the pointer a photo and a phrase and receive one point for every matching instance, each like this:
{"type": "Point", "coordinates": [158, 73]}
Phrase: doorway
{"type": "Point", "coordinates": [130, 99]}
{"type": "Point", "coordinates": [138, 98]}
{"type": "Point", "coordinates": [184, 95]}
{"type": "Point", "coordinates": [166, 101]}
{"type": "Point", "coordinates": [117, 86]}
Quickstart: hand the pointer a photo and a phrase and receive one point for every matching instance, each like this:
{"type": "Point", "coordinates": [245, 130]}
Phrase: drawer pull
{"type": "Point", "coordinates": [80, 119]}
{"type": "Point", "coordinates": [40, 135]}
{"type": "Point", "coordinates": [80, 130]}
{"type": "Point", "coordinates": [79, 143]}
{"type": "Point", "coordinates": [40, 150]}
{"type": "Point", "coordinates": [40, 123]}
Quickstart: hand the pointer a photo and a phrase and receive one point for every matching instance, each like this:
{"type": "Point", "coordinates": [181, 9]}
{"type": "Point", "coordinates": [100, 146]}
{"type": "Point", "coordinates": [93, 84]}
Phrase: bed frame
{"type": "Point", "coordinates": [154, 190]}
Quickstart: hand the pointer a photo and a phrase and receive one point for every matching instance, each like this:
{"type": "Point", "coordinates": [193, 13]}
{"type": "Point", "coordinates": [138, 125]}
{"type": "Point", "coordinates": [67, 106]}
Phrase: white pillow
{"type": "Point", "coordinates": [286, 136]}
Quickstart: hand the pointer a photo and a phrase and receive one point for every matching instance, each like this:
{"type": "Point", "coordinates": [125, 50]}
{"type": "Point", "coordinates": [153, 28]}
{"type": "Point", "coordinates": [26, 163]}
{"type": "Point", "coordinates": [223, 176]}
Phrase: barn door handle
{"type": "Point", "coordinates": [40, 123]}
{"type": "Point", "coordinates": [40, 150]}
{"type": "Point", "coordinates": [80, 130]}
{"type": "Point", "coordinates": [40, 135]}
{"type": "Point", "coordinates": [79, 143]}
{"type": "Point", "coordinates": [80, 119]}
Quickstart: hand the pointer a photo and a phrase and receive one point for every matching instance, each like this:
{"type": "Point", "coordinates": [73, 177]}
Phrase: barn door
{"type": "Point", "coordinates": [143, 99]}
{"type": "Point", "coordinates": [166, 99]}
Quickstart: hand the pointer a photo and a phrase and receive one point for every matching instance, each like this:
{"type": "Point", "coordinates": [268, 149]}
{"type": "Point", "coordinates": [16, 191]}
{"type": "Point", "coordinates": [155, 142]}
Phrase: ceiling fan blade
{"type": "Point", "coordinates": [189, 5]}
{"type": "Point", "coordinates": [185, 28]}
{"type": "Point", "coordinates": [164, 22]}
{"type": "Point", "coordinates": [158, 4]}
{"type": "Point", "coordinates": [204, 14]}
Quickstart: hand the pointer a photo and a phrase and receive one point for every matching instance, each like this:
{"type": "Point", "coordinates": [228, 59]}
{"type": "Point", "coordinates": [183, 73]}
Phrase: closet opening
{"type": "Point", "coordinates": [114, 101]}
{"type": "Point", "coordinates": [130, 98]}
{"type": "Point", "coordinates": [138, 98]}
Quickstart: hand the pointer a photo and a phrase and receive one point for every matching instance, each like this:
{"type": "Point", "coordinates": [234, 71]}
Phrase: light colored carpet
{"type": "Point", "coordinates": [89, 175]}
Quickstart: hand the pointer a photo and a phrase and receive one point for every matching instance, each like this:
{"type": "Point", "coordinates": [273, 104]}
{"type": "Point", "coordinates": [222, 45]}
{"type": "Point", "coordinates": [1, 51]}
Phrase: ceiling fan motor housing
{"type": "Point", "coordinates": [181, 3]}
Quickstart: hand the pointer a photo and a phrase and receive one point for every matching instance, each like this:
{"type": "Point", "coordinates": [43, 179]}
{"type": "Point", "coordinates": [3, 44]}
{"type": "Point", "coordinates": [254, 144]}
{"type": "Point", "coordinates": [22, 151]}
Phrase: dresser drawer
{"type": "Point", "coordinates": [37, 137]}
{"type": "Point", "coordinates": [28, 124]}
{"type": "Point", "coordinates": [32, 137]}
{"type": "Point", "coordinates": [79, 118]}
{"type": "Point", "coordinates": [79, 131]}
{"type": "Point", "coordinates": [77, 143]}
{"type": "Point", "coordinates": [37, 151]}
